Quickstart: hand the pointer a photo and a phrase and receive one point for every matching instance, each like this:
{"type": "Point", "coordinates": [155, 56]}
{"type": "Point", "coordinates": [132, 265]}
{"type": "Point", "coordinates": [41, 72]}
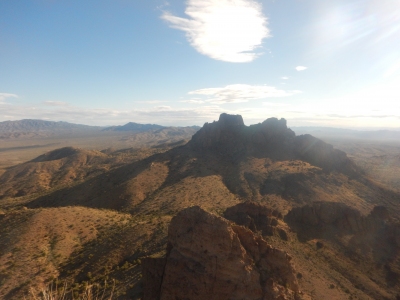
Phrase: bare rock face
{"type": "Point", "coordinates": [257, 217]}
{"type": "Point", "coordinates": [208, 258]}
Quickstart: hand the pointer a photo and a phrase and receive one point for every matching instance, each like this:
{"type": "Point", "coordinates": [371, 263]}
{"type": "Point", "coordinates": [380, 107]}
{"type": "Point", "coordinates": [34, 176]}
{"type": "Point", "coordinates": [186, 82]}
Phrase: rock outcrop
{"type": "Point", "coordinates": [208, 258]}
{"type": "Point", "coordinates": [258, 218]}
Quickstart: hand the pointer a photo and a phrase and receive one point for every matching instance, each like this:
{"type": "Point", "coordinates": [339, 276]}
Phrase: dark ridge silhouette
{"type": "Point", "coordinates": [271, 138]}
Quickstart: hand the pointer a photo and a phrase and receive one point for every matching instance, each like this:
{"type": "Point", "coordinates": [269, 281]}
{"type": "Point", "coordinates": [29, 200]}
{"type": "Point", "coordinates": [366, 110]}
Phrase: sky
{"type": "Point", "coordinates": [108, 62]}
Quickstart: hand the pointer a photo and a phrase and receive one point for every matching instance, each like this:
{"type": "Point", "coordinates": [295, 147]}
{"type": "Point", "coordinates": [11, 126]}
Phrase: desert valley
{"type": "Point", "coordinates": [225, 211]}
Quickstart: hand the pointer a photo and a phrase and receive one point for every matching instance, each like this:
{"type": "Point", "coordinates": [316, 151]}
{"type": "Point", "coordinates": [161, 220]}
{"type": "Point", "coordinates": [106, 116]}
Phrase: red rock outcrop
{"type": "Point", "coordinates": [208, 258]}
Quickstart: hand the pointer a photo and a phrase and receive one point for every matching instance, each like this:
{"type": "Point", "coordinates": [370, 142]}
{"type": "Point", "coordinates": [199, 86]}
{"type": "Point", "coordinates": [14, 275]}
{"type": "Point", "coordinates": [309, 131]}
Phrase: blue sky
{"type": "Point", "coordinates": [184, 62]}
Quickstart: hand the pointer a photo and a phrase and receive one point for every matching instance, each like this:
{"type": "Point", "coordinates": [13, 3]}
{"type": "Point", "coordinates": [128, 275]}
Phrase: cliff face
{"type": "Point", "coordinates": [208, 258]}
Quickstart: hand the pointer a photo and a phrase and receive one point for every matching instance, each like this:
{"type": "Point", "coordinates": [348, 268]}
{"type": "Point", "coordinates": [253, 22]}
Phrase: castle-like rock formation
{"type": "Point", "coordinates": [272, 138]}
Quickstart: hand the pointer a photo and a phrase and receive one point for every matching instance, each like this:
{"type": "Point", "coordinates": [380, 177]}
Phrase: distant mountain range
{"type": "Point", "coordinates": [32, 128]}
{"type": "Point", "coordinates": [29, 125]}
{"type": "Point", "coordinates": [132, 126]}
{"type": "Point", "coordinates": [331, 132]}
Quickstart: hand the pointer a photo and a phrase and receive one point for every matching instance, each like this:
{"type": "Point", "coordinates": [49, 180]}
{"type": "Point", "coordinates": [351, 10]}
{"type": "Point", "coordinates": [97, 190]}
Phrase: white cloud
{"type": "Point", "coordinates": [300, 68]}
{"type": "Point", "coordinates": [4, 96]}
{"type": "Point", "coordinates": [241, 93]}
{"type": "Point", "coordinates": [285, 78]}
{"type": "Point", "coordinates": [227, 30]}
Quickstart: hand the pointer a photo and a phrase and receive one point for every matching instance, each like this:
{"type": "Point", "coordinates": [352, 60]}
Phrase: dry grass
{"type": "Point", "coordinates": [53, 292]}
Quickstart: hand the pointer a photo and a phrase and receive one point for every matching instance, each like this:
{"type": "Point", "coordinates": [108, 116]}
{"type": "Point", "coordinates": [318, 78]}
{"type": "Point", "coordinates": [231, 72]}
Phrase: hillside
{"type": "Point", "coordinates": [311, 201]}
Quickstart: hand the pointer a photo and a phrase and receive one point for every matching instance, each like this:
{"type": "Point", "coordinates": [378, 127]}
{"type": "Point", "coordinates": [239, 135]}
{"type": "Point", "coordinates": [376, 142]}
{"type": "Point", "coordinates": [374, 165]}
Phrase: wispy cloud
{"type": "Point", "coordinates": [55, 103]}
{"type": "Point", "coordinates": [4, 96]}
{"type": "Point", "coordinates": [300, 68]}
{"type": "Point", "coordinates": [227, 30]}
{"type": "Point", "coordinates": [241, 93]}
{"type": "Point", "coordinates": [273, 104]}
{"type": "Point", "coordinates": [284, 77]}
{"type": "Point", "coordinates": [193, 101]}
{"type": "Point", "coordinates": [151, 101]}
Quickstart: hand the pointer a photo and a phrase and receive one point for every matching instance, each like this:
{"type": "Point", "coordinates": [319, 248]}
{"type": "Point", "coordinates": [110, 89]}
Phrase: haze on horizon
{"type": "Point", "coordinates": [183, 63]}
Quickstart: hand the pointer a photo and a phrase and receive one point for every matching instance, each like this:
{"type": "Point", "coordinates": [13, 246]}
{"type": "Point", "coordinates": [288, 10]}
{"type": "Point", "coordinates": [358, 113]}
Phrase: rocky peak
{"type": "Point", "coordinates": [229, 135]}
{"type": "Point", "coordinates": [210, 258]}
{"type": "Point", "coordinates": [276, 126]}
{"type": "Point", "coordinates": [230, 121]}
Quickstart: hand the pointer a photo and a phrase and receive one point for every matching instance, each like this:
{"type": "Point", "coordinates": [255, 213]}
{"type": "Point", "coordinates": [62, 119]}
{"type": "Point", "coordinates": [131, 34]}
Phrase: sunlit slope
{"type": "Point", "coordinates": [35, 243]}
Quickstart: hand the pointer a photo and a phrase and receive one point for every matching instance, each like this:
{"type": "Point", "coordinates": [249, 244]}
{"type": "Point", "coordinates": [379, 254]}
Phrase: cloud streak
{"type": "Point", "coordinates": [55, 103]}
{"type": "Point", "coordinates": [226, 30]}
{"type": "Point", "coordinates": [237, 93]}
{"type": "Point", "coordinates": [164, 115]}
{"type": "Point", "coordinates": [4, 96]}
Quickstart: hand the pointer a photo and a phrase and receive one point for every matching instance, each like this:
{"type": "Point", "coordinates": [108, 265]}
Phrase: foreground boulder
{"type": "Point", "coordinates": [209, 258]}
